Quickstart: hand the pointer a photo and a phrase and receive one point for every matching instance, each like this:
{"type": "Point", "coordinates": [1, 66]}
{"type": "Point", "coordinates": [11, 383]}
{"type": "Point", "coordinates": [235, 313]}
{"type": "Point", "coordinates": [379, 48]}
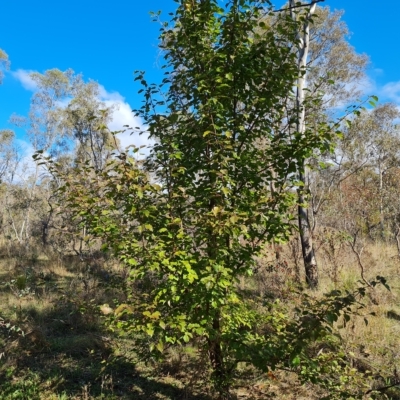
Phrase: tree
{"type": "Point", "coordinates": [8, 153]}
{"type": "Point", "coordinates": [9, 160]}
{"type": "Point", "coordinates": [364, 171]}
{"type": "Point", "coordinates": [192, 220]}
{"type": "Point", "coordinates": [377, 138]}
{"type": "Point", "coordinates": [303, 41]}
{"type": "Point", "coordinates": [87, 117]}
{"type": "Point", "coordinates": [67, 120]}
{"type": "Point", "coordinates": [335, 70]}
{"type": "Point", "coordinates": [4, 63]}
{"type": "Point", "coordinates": [330, 71]}
{"type": "Point", "coordinates": [6, 135]}
{"type": "Point", "coordinates": [359, 187]}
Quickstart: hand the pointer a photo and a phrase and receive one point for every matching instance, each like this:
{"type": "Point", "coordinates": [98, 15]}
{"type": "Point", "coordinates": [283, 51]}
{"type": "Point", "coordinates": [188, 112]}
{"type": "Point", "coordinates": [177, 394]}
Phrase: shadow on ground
{"type": "Point", "coordinates": [66, 354]}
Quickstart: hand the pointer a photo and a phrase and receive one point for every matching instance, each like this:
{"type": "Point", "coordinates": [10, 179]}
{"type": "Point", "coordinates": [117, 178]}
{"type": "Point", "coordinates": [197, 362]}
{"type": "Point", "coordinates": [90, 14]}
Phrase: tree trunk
{"type": "Point", "coordinates": [381, 214]}
{"type": "Point", "coordinates": [217, 362]}
{"type": "Point", "coordinates": [307, 248]}
{"type": "Point", "coordinates": [310, 263]}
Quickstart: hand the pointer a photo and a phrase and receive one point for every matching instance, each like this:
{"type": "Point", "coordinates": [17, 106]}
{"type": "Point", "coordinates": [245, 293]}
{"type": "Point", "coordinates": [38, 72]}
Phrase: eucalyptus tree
{"type": "Point", "coordinates": [9, 159]}
{"type": "Point", "coordinates": [330, 73]}
{"type": "Point", "coordinates": [303, 44]}
{"type": "Point", "coordinates": [87, 118]}
{"type": "Point", "coordinates": [4, 63]}
{"type": "Point", "coordinates": [8, 154]}
{"type": "Point", "coordinates": [44, 131]}
{"type": "Point", "coordinates": [66, 115]}
{"type": "Point", "coordinates": [335, 71]}
{"type": "Point", "coordinates": [336, 78]}
{"type": "Point", "coordinates": [370, 153]}
{"type": "Point", "coordinates": [67, 120]}
{"type": "Point", "coordinates": [7, 136]}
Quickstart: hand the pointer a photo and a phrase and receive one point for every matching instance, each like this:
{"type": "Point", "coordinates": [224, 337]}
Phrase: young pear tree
{"type": "Point", "coordinates": [190, 222]}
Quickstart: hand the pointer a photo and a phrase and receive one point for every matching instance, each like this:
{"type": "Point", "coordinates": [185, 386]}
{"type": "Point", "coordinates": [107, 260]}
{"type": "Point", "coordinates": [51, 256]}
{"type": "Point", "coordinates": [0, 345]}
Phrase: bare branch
{"type": "Point", "coordinates": [352, 245]}
{"type": "Point", "coordinates": [384, 388]}
{"type": "Point", "coordinates": [299, 6]}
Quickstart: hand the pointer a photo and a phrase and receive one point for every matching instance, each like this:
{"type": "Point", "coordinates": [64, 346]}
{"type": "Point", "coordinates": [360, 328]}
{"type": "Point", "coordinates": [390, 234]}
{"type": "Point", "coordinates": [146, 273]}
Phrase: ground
{"type": "Point", "coordinates": [67, 353]}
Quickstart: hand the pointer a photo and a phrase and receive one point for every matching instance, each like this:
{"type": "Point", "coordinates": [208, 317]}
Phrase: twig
{"type": "Point", "coordinates": [358, 255]}
{"type": "Point", "coordinates": [382, 389]}
{"type": "Point", "coordinates": [398, 240]}
{"type": "Point", "coordinates": [299, 5]}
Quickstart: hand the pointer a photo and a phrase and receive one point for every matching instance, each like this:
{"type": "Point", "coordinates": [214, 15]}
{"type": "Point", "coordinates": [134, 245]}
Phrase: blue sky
{"type": "Point", "coordinates": [106, 41]}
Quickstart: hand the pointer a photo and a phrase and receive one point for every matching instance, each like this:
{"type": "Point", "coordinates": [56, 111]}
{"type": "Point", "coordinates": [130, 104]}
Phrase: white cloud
{"type": "Point", "coordinates": [24, 166]}
{"type": "Point", "coordinates": [391, 91]}
{"type": "Point", "coordinates": [122, 116]}
{"type": "Point", "coordinates": [378, 71]}
{"type": "Point", "coordinates": [366, 86]}
{"type": "Point", "coordinates": [24, 77]}
{"type": "Point", "coordinates": [122, 113]}
{"type": "Point", "coordinates": [112, 96]}
{"type": "Point", "coordinates": [362, 88]}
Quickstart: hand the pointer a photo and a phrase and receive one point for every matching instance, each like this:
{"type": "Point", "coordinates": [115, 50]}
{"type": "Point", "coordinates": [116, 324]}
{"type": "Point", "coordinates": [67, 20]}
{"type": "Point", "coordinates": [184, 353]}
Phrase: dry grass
{"type": "Point", "coordinates": [371, 346]}
{"type": "Point", "coordinates": [67, 354]}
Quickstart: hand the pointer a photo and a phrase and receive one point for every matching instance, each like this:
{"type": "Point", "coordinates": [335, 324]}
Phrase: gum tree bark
{"type": "Point", "coordinates": [310, 262]}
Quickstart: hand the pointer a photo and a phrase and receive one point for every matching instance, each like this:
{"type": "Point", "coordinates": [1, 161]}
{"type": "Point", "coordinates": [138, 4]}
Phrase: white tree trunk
{"type": "Point", "coordinates": [310, 263]}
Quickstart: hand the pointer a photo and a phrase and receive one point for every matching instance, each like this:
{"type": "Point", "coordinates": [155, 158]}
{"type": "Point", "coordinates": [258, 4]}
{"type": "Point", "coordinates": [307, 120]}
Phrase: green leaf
{"type": "Point", "coordinates": [160, 346]}
{"type": "Point", "coordinates": [155, 315]}
{"type": "Point", "coordinates": [296, 361]}
{"type": "Point", "coordinates": [216, 211]}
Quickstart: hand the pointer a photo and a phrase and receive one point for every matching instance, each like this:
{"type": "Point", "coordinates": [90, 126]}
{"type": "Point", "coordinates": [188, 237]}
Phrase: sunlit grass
{"type": "Point", "coordinates": [68, 354]}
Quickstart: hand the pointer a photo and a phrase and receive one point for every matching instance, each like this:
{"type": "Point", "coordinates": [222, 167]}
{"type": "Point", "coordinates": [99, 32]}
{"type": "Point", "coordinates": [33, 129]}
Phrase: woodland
{"type": "Point", "coordinates": [250, 251]}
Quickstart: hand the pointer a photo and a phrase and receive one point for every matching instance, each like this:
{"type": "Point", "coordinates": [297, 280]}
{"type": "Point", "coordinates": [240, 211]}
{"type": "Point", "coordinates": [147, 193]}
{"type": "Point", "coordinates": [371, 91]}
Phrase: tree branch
{"type": "Point", "coordinates": [382, 389]}
{"type": "Point", "coordinates": [300, 5]}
